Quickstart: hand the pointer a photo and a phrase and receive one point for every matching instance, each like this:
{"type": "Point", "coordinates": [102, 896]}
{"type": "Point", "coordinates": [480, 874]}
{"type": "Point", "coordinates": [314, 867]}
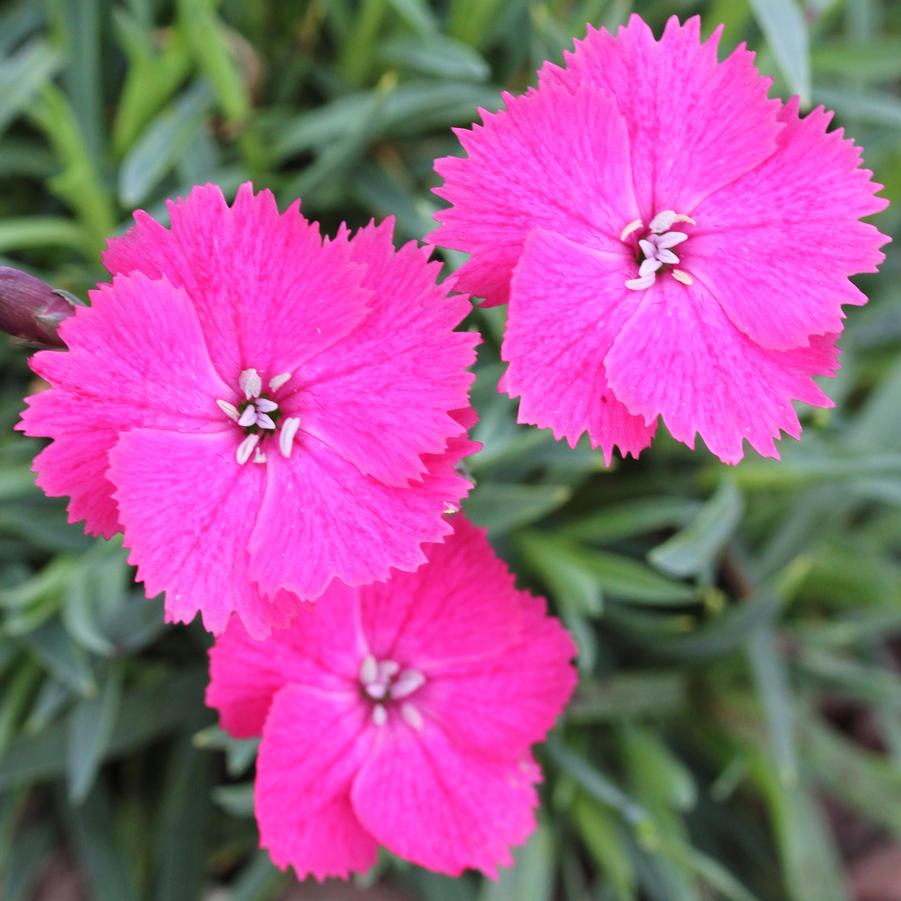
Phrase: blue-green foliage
{"type": "Point", "coordinates": [738, 677]}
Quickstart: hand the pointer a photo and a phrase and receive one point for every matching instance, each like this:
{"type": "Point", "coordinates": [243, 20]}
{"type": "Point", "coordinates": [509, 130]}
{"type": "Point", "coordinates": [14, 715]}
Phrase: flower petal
{"type": "Point", "coordinates": [777, 246]}
{"type": "Point", "coordinates": [321, 649]}
{"type": "Point", "coordinates": [680, 358]}
{"type": "Point", "coordinates": [460, 607]}
{"type": "Point", "coordinates": [695, 124]}
{"type": "Point", "coordinates": [568, 303]}
{"type": "Point", "coordinates": [313, 745]}
{"type": "Point", "coordinates": [552, 159]}
{"type": "Point", "coordinates": [131, 354]}
{"type": "Point", "coordinates": [382, 396]}
{"type": "Point", "coordinates": [269, 294]}
{"type": "Point", "coordinates": [503, 707]}
{"type": "Point", "coordinates": [322, 519]}
{"type": "Point", "coordinates": [188, 510]}
{"type": "Point", "coordinates": [431, 803]}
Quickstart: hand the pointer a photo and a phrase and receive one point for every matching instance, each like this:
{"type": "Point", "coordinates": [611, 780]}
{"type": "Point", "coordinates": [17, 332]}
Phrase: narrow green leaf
{"type": "Point", "coordinates": [64, 660]}
{"type": "Point", "coordinates": [695, 548]}
{"type": "Point", "coordinates": [90, 728]}
{"type": "Point", "coordinates": [786, 32]}
{"type": "Point", "coordinates": [532, 873]}
{"type": "Point", "coordinates": [771, 681]}
{"type": "Point", "coordinates": [22, 76]}
{"type": "Point", "coordinates": [501, 507]}
{"type": "Point", "coordinates": [92, 831]}
{"type": "Point", "coordinates": [157, 151]}
{"type": "Point", "coordinates": [211, 48]}
{"type": "Point", "coordinates": [437, 56]}
{"type": "Point", "coordinates": [561, 565]}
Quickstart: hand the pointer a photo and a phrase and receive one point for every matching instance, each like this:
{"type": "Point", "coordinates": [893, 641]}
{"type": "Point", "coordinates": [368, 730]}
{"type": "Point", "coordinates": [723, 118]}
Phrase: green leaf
{"type": "Point", "coordinates": [664, 777]}
{"type": "Point", "coordinates": [61, 658]}
{"type": "Point", "coordinates": [158, 150]}
{"type": "Point", "coordinates": [90, 729]}
{"type": "Point", "coordinates": [605, 842]}
{"type": "Point", "coordinates": [562, 567]}
{"type": "Point", "coordinates": [630, 581]}
{"type": "Point", "coordinates": [181, 831]}
{"type": "Point", "coordinates": [435, 55]}
{"type": "Point", "coordinates": [786, 32]}
{"type": "Point", "coordinates": [144, 714]}
{"type": "Point", "coordinates": [151, 77]}
{"type": "Point", "coordinates": [22, 76]}
{"type": "Point", "coordinates": [235, 800]}
{"type": "Point", "coordinates": [211, 48]}
{"type": "Point", "coordinates": [93, 833]}
{"type": "Point", "coordinates": [771, 681]}
{"type": "Point", "coordinates": [501, 507]}
{"type": "Point", "coordinates": [695, 548]}
{"type": "Point", "coordinates": [638, 516]}
{"type": "Point", "coordinates": [532, 873]}
{"type": "Point", "coordinates": [628, 695]}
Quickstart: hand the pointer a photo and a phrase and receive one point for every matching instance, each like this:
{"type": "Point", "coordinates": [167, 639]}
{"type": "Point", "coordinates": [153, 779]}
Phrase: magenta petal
{"type": "Point", "coordinates": [188, 509]}
{"type": "Point", "coordinates": [777, 246]}
{"type": "Point", "coordinates": [552, 159]}
{"type": "Point", "coordinates": [268, 293]}
{"type": "Point", "coordinates": [695, 124]}
{"type": "Point", "coordinates": [505, 707]}
{"type": "Point", "coordinates": [433, 804]}
{"type": "Point", "coordinates": [567, 305]}
{"type": "Point", "coordinates": [314, 742]}
{"type": "Point", "coordinates": [418, 618]}
{"type": "Point", "coordinates": [114, 378]}
{"type": "Point", "coordinates": [322, 519]}
{"type": "Point", "coordinates": [680, 358]}
{"type": "Point", "coordinates": [320, 650]}
{"type": "Point", "coordinates": [382, 396]}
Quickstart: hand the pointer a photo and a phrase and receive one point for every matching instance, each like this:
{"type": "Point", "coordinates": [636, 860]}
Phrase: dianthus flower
{"type": "Point", "coordinates": [672, 243]}
{"type": "Point", "coordinates": [259, 411]}
{"type": "Point", "coordinates": [400, 714]}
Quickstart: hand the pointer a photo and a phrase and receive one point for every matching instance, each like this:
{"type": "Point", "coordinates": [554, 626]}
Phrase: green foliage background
{"type": "Point", "coordinates": [737, 729]}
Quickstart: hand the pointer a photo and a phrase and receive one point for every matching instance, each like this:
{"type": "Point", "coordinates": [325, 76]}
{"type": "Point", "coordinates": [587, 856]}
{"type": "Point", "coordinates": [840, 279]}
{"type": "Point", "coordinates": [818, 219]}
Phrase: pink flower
{"type": "Point", "coordinates": [261, 412]}
{"type": "Point", "coordinates": [401, 715]}
{"type": "Point", "coordinates": [671, 242]}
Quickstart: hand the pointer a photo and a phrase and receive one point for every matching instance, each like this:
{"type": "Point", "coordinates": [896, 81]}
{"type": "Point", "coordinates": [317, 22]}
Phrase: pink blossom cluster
{"type": "Point", "coordinates": [271, 418]}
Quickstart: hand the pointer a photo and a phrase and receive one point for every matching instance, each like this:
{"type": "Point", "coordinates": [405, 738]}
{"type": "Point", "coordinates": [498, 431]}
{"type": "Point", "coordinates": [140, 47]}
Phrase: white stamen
{"type": "Point", "coordinates": [407, 683]}
{"type": "Point", "coordinates": [278, 380]}
{"type": "Point", "coordinates": [683, 277]}
{"type": "Point", "coordinates": [662, 221]}
{"type": "Point", "coordinates": [648, 267]}
{"type": "Point", "coordinates": [251, 383]}
{"type": "Point", "coordinates": [230, 410]}
{"type": "Point", "coordinates": [259, 457]}
{"type": "Point", "coordinates": [286, 435]}
{"type": "Point", "coordinates": [379, 715]}
{"type": "Point", "coordinates": [411, 715]}
{"type": "Point", "coordinates": [633, 226]}
{"type": "Point", "coordinates": [264, 405]}
{"type": "Point", "coordinates": [369, 669]}
{"type": "Point", "coordinates": [376, 690]}
{"type": "Point", "coordinates": [639, 284]}
{"type": "Point", "coordinates": [449, 509]}
{"type": "Point", "coordinates": [265, 421]}
{"type": "Point", "coordinates": [246, 448]}
{"type": "Point", "coordinates": [670, 239]}
{"type": "Point", "coordinates": [667, 256]}
{"type": "Point", "coordinates": [388, 668]}
{"type": "Point", "coordinates": [248, 417]}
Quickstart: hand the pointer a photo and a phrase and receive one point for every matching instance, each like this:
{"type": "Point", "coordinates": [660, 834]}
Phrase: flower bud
{"type": "Point", "coordinates": [30, 309]}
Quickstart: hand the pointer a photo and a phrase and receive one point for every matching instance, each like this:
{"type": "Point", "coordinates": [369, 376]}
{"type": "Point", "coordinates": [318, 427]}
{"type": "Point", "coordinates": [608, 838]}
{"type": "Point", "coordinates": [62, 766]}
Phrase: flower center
{"type": "Point", "coordinates": [259, 416]}
{"type": "Point", "coordinates": [385, 685]}
{"type": "Point", "coordinates": [654, 253]}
